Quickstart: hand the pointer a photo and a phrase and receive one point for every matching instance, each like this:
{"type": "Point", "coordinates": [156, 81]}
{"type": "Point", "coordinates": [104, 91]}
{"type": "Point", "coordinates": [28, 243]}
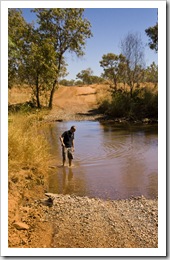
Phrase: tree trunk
{"type": "Point", "coordinates": [131, 89]}
{"type": "Point", "coordinates": [52, 94]}
{"type": "Point", "coordinates": [124, 84]}
{"type": "Point", "coordinates": [37, 93]}
{"type": "Point", "coordinates": [115, 83]}
{"type": "Point", "coordinates": [55, 82]}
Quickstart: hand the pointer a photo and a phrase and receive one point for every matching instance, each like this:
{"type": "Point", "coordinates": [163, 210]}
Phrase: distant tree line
{"type": "Point", "coordinates": [113, 75]}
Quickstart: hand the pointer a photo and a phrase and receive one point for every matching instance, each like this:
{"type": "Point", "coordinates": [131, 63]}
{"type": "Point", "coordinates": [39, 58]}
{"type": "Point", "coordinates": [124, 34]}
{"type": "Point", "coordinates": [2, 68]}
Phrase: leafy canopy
{"type": "Point", "coordinates": [152, 33]}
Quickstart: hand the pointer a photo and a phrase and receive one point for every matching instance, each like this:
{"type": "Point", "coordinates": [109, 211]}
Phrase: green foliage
{"type": "Point", "coordinates": [149, 103]}
{"type": "Point", "coordinates": [78, 83]}
{"type": "Point", "coordinates": [66, 82]}
{"type": "Point", "coordinates": [151, 73]}
{"type": "Point", "coordinates": [87, 77]}
{"type": "Point", "coordinates": [17, 31]}
{"type": "Point", "coordinates": [152, 33]}
{"type": "Point", "coordinates": [36, 54]}
{"type": "Point", "coordinates": [21, 108]}
{"type": "Point", "coordinates": [143, 103]}
{"type": "Point", "coordinates": [114, 67]}
{"type": "Point", "coordinates": [66, 28]}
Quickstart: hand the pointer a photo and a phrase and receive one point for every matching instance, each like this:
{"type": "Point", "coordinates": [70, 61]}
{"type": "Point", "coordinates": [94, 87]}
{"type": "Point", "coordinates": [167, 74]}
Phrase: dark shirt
{"type": "Point", "coordinates": [68, 137]}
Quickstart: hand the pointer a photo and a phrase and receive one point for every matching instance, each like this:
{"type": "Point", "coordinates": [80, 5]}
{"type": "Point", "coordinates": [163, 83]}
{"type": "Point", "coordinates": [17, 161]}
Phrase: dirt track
{"type": "Point", "coordinates": [77, 103]}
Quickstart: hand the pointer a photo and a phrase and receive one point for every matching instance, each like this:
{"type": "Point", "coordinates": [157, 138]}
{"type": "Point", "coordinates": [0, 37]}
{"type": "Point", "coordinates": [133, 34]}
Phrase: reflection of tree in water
{"type": "Point", "coordinates": [136, 177]}
{"type": "Point", "coordinates": [52, 134]}
{"type": "Point", "coordinates": [54, 140]}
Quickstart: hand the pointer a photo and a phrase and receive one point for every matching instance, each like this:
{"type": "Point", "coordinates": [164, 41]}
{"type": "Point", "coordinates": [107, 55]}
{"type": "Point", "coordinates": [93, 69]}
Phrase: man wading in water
{"type": "Point", "coordinates": [67, 142]}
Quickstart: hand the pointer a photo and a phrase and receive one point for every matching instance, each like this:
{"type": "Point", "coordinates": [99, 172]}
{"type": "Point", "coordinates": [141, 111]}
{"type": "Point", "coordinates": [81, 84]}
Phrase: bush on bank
{"type": "Point", "coordinates": [142, 104]}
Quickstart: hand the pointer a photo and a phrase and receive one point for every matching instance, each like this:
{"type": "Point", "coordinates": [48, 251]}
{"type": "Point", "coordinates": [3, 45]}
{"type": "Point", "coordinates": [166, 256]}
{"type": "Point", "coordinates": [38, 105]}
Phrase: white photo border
{"type": "Point", "coordinates": [161, 250]}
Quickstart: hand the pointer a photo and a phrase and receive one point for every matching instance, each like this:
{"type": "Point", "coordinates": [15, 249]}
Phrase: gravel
{"type": "Point", "coordinates": [84, 222]}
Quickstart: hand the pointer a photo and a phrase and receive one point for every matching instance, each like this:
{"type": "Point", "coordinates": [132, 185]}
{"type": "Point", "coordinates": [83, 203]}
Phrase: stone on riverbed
{"type": "Point", "coordinates": [21, 226]}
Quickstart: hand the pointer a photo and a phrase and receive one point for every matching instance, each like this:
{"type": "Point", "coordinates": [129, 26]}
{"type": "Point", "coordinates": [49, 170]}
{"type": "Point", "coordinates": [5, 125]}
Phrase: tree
{"type": "Point", "coordinates": [152, 33]}
{"type": "Point", "coordinates": [17, 30]}
{"type": "Point", "coordinates": [66, 30]}
{"type": "Point", "coordinates": [85, 76]}
{"type": "Point", "coordinates": [40, 64]}
{"type": "Point", "coordinates": [36, 54]}
{"type": "Point", "coordinates": [113, 66]}
{"type": "Point", "coordinates": [132, 48]}
{"type": "Point", "coordinates": [66, 82]}
{"type": "Point", "coordinates": [151, 73]}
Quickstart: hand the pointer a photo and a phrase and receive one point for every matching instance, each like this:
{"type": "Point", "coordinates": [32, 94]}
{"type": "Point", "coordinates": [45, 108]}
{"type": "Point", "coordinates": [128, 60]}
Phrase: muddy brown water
{"type": "Point", "coordinates": [111, 161]}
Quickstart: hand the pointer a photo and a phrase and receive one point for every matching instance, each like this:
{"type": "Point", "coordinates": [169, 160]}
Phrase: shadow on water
{"type": "Point", "coordinates": [112, 161]}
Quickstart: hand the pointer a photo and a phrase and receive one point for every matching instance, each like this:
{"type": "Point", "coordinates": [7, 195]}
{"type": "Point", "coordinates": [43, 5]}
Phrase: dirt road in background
{"type": "Point", "coordinates": [77, 103]}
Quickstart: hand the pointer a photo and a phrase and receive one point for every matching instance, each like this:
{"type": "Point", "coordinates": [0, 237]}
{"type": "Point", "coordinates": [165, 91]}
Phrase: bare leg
{"type": "Point", "coordinates": [64, 156]}
{"type": "Point", "coordinates": [64, 161]}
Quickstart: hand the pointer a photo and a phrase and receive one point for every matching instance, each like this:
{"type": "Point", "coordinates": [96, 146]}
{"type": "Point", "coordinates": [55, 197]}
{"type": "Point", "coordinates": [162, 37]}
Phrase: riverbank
{"type": "Point", "coordinates": [64, 221]}
{"type": "Point", "coordinates": [70, 221]}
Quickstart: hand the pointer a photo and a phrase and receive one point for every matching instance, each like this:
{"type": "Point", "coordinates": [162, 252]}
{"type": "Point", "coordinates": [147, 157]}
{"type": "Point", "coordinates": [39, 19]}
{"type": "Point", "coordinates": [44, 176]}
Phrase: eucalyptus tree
{"type": "Point", "coordinates": [65, 30]}
{"type": "Point", "coordinates": [85, 76]}
{"type": "Point", "coordinates": [114, 67]}
{"type": "Point", "coordinates": [132, 48]}
{"type": "Point", "coordinates": [152, 33]}
{"type": "Point", "coordinates": [36, 52]}
{"type": "Point", "coordinates": [40, 64]}
{"type": "Point", "coordinates": [17, 30]}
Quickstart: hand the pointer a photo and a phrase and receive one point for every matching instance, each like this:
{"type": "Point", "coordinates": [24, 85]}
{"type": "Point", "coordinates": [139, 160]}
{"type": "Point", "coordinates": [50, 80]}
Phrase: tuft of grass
{"type": "Point", "coordinates": [27, 147]}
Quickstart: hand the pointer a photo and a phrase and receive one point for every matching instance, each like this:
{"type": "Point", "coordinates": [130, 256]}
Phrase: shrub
{"type": "Point", "coordinates": [143, 103]}
{"type": "Point", "coordinates": [150, 101]}
{"type": "Point", "coordinates": [120, 105]}
{"type": "Point", "coordinates": [104, 106]}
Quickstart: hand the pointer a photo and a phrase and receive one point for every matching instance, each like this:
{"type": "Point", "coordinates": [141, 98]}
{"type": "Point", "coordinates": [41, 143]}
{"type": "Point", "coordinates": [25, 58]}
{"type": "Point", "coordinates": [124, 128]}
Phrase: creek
{"type": "Point", "coordinates": [111, 161]}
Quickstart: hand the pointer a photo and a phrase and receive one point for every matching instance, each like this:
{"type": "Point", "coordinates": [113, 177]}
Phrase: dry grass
{"type": "Point", "coordinates": [27, 148]}
{"type": "Point", "coordinates": [28, 162]}
{"type": "Point", "coordinates": [19, 95]}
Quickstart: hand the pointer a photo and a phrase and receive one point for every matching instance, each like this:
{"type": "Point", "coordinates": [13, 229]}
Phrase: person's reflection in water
{"type": "Point", "coordinates": [70, 174]}
{"type": "Point", "coordinates": [67, 180]}
{"type": "Point", "coordinates": [64, 180]}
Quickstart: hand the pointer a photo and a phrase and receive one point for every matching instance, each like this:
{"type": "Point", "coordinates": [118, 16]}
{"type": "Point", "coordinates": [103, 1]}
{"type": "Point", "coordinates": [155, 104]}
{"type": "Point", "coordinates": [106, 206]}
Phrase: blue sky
{"type": "Point", "coordinates": [109, 27]}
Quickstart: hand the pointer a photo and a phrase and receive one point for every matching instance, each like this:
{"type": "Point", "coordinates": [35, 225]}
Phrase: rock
{"type": "Point", "coordinates": [21, 226]}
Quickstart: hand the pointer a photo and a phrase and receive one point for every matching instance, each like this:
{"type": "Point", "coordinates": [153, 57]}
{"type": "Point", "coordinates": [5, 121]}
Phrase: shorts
{"type": "Point", "coordinates": [67, 153]}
